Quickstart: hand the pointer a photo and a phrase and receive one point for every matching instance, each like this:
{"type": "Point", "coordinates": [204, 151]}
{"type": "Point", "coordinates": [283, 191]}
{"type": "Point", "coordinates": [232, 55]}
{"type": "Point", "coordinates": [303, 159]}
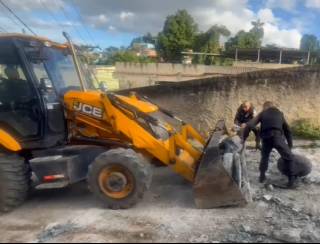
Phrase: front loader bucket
{"type": "Point", "coordinates": [222, 179]}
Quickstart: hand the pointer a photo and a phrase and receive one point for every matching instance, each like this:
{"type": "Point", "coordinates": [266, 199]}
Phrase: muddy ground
{"type": "Point", "coordinates": [168, 213]}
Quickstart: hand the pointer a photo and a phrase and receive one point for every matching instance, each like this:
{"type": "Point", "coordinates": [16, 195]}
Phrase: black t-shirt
{"type": "Point", "coordinates": [272, 123]}
{"type": "Point", "coordinates": [243, 117]}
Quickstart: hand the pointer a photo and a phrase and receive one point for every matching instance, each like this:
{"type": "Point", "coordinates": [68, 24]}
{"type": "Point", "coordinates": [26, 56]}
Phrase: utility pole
{"type": "Point", "coordinates": [309, 56]}
{"type": "Point", "coordinates": [280, 58]}
{"type": "Point", "coordinates": [236, 55]}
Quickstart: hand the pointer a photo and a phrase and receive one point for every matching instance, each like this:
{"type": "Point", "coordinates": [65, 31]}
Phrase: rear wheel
{"type": "Point", "coordinates": [14, 182]}
{"type": "Point", "coordinates": [120, 177]}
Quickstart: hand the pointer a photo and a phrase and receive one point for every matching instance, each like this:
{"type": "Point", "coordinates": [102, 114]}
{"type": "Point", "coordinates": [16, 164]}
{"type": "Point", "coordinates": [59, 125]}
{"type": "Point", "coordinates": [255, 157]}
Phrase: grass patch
{"type": "Point", "coordinates": [306, 129]}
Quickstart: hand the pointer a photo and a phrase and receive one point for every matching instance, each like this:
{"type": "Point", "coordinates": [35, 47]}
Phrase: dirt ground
{"type": "Point", "coordinates": [168, 213]}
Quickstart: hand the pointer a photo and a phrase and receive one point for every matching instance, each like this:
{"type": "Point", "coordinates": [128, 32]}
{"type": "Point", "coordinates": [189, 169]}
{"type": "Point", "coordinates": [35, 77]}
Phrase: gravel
{"type": "Point", "coordinates": [168, 213]}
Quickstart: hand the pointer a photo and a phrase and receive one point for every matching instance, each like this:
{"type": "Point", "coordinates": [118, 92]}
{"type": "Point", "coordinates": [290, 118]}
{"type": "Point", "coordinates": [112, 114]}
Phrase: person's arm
{"type": "Point", "coordinates": [288, 133]}
{"type": "Point", "coordinates": [237, 118]}
{"type": "Point", "coordinates": [251, 125]}
{"type": "Point", "coordinates": [252, 114]}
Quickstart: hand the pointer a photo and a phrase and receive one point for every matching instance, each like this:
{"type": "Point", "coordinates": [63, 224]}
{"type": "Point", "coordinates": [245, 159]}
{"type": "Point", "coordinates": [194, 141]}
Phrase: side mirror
{"type": "Point", "coordinates": [103, 86]}
{"type": "Point", "coordinates": [45, 84]}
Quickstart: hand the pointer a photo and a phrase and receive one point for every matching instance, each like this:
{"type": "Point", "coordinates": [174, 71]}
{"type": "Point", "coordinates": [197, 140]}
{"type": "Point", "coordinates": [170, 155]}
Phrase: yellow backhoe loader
{"type": "Point", "coordinates": [57, 129]}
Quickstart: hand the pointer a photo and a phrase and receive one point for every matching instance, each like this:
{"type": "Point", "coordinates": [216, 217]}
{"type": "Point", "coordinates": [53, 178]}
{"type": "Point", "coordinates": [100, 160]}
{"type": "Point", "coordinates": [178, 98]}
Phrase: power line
{"type": "Point", "coordinates": [17, 17]}
{"type": "Point", "coordinates": [10, 18]}
{"type": "Point", "coordinates": [82, 21]}
{"type": "Point", "coordinates": [74, 27]}
{"type": "Point", "coordinates": [50, 12]}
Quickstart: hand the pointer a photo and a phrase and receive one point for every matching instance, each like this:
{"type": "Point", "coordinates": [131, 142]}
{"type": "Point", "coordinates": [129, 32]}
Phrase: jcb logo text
{"type": "Point", "coordinates": [88, 110]}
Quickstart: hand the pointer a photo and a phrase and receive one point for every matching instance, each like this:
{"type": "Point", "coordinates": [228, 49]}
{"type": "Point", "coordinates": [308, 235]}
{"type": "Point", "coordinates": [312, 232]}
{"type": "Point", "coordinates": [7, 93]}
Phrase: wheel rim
{"type": "Point", "coordinates": [116, 182]}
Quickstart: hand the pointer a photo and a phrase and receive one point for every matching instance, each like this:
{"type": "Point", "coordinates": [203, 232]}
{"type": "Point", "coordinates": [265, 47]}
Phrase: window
{"type": "Point", "coordinates": [18, 100]}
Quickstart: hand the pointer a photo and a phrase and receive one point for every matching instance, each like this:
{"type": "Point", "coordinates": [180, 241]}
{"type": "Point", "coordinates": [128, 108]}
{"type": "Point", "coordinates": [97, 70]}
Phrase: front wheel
{"type": "Point", "coordinates": [14, 182]}
{"type": "Point", "coordinates": [120, 178]}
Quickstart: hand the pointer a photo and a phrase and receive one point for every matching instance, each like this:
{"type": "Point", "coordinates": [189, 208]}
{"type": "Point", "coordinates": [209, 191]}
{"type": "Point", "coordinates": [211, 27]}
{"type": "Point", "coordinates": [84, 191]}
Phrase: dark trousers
{"type": "Point", "coordinates": [257, 135]}
{"type": "Point", "coordinates": [276, 142]}
{"type": "Point", "coordinates": [256, 132]}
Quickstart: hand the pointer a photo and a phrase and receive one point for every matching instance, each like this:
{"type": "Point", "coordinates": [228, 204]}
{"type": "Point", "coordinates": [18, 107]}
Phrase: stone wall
{"type": "Point", "coordinates": [202, 102]}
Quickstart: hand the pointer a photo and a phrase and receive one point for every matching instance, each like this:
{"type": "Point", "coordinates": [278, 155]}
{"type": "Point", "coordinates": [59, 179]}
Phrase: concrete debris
{"type": "Point", "coordinates": [311, 235]}
{"type": "Point", "coordinates": [269, 187]}
{"type": "Point", "coordinates": [245, 228]}
{"type": "Point", "coordinates": [199, 239]}
{"type": "Point", "coordinates": [267, 197]}
{"type": "Point", "coordinates": [54, 230]}
{"type": "Point", "coordinates": [288, 235]}
{"type": "Point", "coordinates": [269, 215]}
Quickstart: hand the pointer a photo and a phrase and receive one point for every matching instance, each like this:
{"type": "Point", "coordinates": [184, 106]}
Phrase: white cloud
{"type": "Point", "coordinates": [142, 16]}
{"type": "Point", "coordinates": [29, 5]}
{"type": "Point", "coordinates": [234, 21]}
{"type": "Point", "coordinates": [241, 20]}
{"type": "Point", "coordinates": [266, 16]}
{"type": "Point", "coordinates": [98, 21]}
{"type": "Point", "coordinates": [281, 37]}
{"type": "Point", "coordinates": [313, 4]}
{"type": "Point", "coordinates": [124, 16]}
{"type": "Point", "coordinates": [274, 34]}
{"type": "Point", "coordinates": [288, 5]}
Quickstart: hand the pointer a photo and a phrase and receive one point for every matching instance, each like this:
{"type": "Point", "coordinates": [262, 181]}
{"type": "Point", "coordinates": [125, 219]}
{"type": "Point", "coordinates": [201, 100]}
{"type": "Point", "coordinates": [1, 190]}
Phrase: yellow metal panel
{"type": "Point", "coordinates": [9, 142]}
{"type": "Point", "coordinates": [115, 123]}
{"type": "Point", "coordinates": [145, 107]}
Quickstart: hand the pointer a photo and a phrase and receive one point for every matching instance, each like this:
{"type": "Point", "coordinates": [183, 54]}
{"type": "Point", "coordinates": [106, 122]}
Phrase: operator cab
{"type": "Point", "coordinates": [34, 76]}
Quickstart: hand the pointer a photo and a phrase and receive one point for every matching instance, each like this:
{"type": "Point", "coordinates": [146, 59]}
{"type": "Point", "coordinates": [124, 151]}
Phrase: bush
{"type": "Point", "coordinates": [306, 129]}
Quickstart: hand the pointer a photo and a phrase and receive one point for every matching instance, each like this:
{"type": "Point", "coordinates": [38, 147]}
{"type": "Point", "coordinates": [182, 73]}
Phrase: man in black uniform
{"type": "Point", "coordinates": [273, 129]}
{"type": "Point", "coordinates": [246, 113]}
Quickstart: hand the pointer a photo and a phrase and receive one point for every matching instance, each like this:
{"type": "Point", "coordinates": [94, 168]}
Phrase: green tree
{"type": "Point", "coordinates": [243, 40]}
{"type": "Point", "coordinates": [209, 42]}
{"type": "Point", "coordinates": [251, 39]}
{"type": "Point", "coordinates": [124, 56]}
{"type": "Point", "coordinates": [258, 31]}
{"type": "Point", "coordinates": [147, 38]}
{"type": "Point", "coordinates": [107, 54]}
{"type": "Point", "coordinates": [178, 35]}
{"type": "Point", "coordinates": [309, 43]}
{"type": "Point", "coordinates": [90, 53]}
{"type": "Point", "coordinates": [272, 46]}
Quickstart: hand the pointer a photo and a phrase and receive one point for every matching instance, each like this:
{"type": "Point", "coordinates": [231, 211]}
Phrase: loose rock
{"type": "Point", "coordinates": [288, 235]}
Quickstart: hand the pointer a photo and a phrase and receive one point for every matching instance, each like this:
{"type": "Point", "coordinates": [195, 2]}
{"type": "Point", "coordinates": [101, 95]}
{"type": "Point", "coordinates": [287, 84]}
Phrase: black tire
{"type": "Point", "coordinates": [14, 182]}
{"type": "Point", "coordinates": [138, 169]}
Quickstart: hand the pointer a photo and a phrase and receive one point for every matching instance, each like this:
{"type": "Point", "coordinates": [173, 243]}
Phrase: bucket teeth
{"type": "Point", "coordinates": [221, 179]}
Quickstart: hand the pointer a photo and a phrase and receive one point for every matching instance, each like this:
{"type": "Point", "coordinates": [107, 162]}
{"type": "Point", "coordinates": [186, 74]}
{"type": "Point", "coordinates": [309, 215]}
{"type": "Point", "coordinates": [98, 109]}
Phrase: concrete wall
{"type": "Point", "coordinates": [105, 74]}
{"type": "Point", "coordinates": [203, 102]}
{"type": "Point", "coordinates": [133, 75]}
{"type": "Point", "coordinates": [264, 65]}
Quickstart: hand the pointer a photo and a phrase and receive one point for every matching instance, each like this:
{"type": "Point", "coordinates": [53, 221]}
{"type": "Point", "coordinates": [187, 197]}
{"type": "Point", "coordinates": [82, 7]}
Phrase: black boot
{"type": "Point", "coordinates": [262, 178]}
{"type": "Point", "coordinates": [292, 182]}
{"type": "Point", "coordinates": [258, 144]}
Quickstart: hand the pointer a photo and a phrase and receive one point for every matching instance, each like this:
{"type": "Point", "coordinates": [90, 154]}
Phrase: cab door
{"type": "Point", "coordinates": [20, 105]}
{"type": "Point", "coordinates": [55, 124]}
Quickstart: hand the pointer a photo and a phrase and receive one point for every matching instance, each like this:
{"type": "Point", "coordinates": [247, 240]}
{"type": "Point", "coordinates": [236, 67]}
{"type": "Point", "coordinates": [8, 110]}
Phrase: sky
{"type": "Point", "coordinates": [117, 22]}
